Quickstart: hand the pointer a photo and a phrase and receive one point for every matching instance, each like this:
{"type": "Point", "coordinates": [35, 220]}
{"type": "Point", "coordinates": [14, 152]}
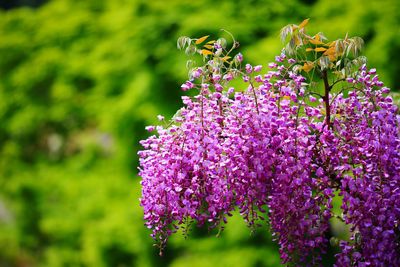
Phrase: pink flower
{"type": "Point", "coordinates": [228, 77]}
{"type": "Point", "coordinates": [257, 68]}
{"type": "Point", "coordinates": [239, 57]}
{"type": "Point", "coordinates": [218, 87]}
{"type": "Point", "coordinates": [187, 85]}
{"type": "Point", "coordinates": [272, 65]}
{"type": "Point", "coordinates": [249, 68]}
{"type": "Point", "coordinates": [197, 73]}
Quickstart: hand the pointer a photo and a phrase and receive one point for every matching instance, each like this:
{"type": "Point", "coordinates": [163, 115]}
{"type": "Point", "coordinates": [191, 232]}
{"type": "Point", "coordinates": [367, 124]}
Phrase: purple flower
{"type": "Point", "coordinates": [228, 77]}
{"type": "Point", "coordinates": [197, 73]}
{"type": "Point", "coordinates": [312, 99]}
{"type": "Point", "coordinates": [249, 68]}
{"type": "Point", "coordinates": [150, 128]}
{"type": "Point", "coordinates": [257, 68]}
{"type": "Point", "coordinates": [216, 77]}
{"type": "Point", "coordinates": [256, 150]}
{"type": "Point", "coordinates": [239, 57]}
{"type": "Point", "coordinates": [186, 86]}
{"type": "Point", "coordinates": [272, 65]}
{"type": "Point", "coordinates": [218, 87]}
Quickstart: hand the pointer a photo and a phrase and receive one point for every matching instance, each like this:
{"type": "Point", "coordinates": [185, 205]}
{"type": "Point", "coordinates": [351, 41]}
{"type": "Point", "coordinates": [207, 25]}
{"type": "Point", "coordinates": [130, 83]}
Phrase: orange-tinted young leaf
{"type": "Point", "coordinates": [316, 42]}
{"type": "Point", "coordinates": [332, 57]}
{"type": "Point", "coordinates": [304, 23]}
{"type": "Point", "coordinates": [309, 49]}
{"type": "Point", "coordinates": [202, 39]}
{"type": "Point", "coordinates": [333, 43]}
{"type": "Point", "coordinates": [225, 58]}
{"type": "Point", "coordinates": [330, 51]}
{"type": "Point", "coordinates": [320, 49]}
{"type": "Point", "coordinates": [308, 66]}
{"type": "Point", "coordinates": [208, 46]}
{"type": "Point", "coordinates": [297, 40]}
{"type": "Point", "coordinates": [211, 42]}
{"type": "Point", "coordinates": [206, 52]}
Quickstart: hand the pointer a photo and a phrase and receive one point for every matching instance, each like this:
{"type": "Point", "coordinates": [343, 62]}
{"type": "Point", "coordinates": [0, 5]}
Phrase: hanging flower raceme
{"type": "Point", "coordinates": [368, 138]}
{"type": "Point", "coordinates": [183, 169]}
{"type": "Point", "coordinates": [277, 148]}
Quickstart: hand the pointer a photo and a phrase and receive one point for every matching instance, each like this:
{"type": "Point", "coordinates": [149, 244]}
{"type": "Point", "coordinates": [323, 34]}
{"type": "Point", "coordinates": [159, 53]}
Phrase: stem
{"type": "Point", "coordinates": [255, 97]}
{"type": "Point", "coordinates": [234, 45]}
{"type": "Point", "coordinates": [338, 81]}
{"type": "Point", "coordinates": [326, 97]}
{"type": "Point", "coordinates": [221, 113]}
{"type": "Point", "coordinates": [201, 111]}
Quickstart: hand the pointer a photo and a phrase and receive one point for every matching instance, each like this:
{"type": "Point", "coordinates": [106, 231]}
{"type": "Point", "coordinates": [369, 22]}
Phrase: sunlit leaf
{"type": "Point", "coordinates": [330, 51]}
{"type": "Point", "coordinates": [226, 58]}
{"type": "Point", "coordinates": [190, 50]}
{"type": "Point", "coordinates": [289, 48]}
{"type": "Point", "coordinates": [333, 43]}
{"type": "Point", "coordinates": [297, 40]}
{"type": "Point", "coordinates": [202, 39]}
{"type": "Point", "coordinates": [189, 64]}
{"type": "Point", "coordinates": [285, 32]}
{"type": "Point", "coordinates": [320, 49]}
{"type": "Point", "coordinates": [340, 47]}
{"type": "Point", "coordinates": [324, 62]}
{"type": "Point", "coordinates": [179, 43]}
{"type": "Point", "coordinates": [208, 46]}
{"type": "Point", "coordinates": [309, 49]}
{"type": "Point", "coordinates": [304, 23]}
{"type": "Point", "coordinates": [206, 52]}
{"type": "Point", "coordinates": [182, 41]}
{"type": "Point", "coordinates": [316, 40]}
{"type": "Point", "coordinates": [222, 42]}
{"type": "Point", "coordinates": [308, 66]}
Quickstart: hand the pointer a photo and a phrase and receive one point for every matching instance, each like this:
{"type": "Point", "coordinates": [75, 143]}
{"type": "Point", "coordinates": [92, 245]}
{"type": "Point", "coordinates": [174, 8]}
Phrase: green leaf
{"type": "Point", "coordinates": [324, 62]}
{"type": "Point", "coordinates": [190, 50]}
{"type": "Point", "coordinates": [181, 42]}
{"type": "Point", "coordinates": [189, 64]}
{"type": "Point", "coordinates": [222, 42]}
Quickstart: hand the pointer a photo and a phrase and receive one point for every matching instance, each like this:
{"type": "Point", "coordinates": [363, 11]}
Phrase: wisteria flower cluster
{"type": "Point", "coordinates": [276, 149]}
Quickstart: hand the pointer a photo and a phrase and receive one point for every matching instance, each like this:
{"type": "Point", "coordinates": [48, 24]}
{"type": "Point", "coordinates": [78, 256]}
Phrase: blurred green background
{"type": "Point", "coordinates": [79, 80]}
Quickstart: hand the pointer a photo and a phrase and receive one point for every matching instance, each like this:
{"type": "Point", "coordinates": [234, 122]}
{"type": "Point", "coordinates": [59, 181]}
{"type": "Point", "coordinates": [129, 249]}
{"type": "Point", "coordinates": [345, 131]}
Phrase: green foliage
{"type": "Point", "coordinates": [78, 82]}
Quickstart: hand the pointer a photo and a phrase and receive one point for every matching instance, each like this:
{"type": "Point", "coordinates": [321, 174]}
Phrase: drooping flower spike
{"type": "Point", "coordinates": [279, 149]}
